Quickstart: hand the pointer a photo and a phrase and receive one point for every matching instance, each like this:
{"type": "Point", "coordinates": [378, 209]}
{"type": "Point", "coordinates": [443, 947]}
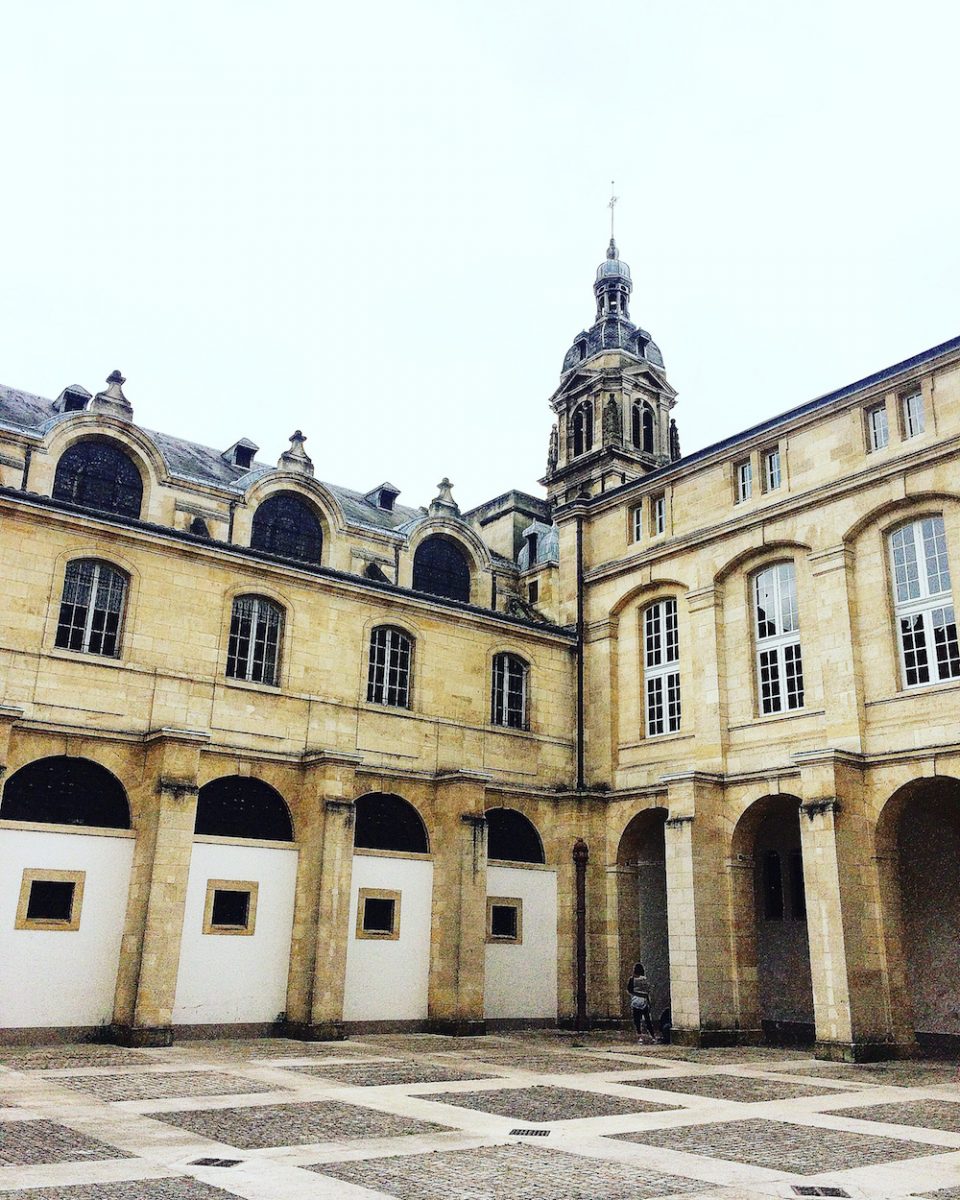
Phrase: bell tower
{"type": "Point", "coordinates": [613, 404]}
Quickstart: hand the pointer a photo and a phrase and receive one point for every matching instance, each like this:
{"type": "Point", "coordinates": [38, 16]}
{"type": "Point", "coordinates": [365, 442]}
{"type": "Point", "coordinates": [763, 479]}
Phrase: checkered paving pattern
{"type": "Point", "coordinates": [782, 1147]}
{"type": "Point", "coordinates": [942, 1194]}
{"type": "Point", "coordinates": [182, 1188]}
{"type": "Point", "coordinates": [382, 1074]}
{"type": "Point", "coordinates": [27, 1142]}
{"type": "Point", "coordinates": [260, 1126]}
{"type": "Point", "coordinates": [895, 1074]}
{"type": "Point", "coordinates": [161, 1084]}
{"type": "Point", "coordinates": [556, 1064]}
{"type": "Point", "coordinates": [508, 1173]}
{"type": "Point", "coordinates": [541, 1104]}
{"type": "Point", "coordinates": [733, 1087]}
{"type": "Point", "coordinates": [243, 1049]}
{"type": "Point", "coordinates": [925, 1114]}
{"type": "Point", "coordinates": [49, 1058]}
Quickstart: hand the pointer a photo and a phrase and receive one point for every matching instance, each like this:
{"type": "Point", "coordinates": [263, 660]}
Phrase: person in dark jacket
{"type": "Point", "coordinates": [639, 992]}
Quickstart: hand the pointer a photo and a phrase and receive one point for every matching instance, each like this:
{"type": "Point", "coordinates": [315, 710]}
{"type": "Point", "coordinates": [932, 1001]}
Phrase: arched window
{"type": "Point", "coordinates": [583, 428]}
{"type": "Point", "coordinates": [661, 667]}
{"type": "Point", "coordinates": [388, 671]}
{"type": "Point", "coordinates": [441, 568]}
{"type": "Point", "coordinates": [636, 425]}
{"type": "Point", "coordinates": [240, 807]}
{"type": "Point", "coordinates": [511, 837]}
{"type": "Point", "coordinates": [97, 474]}
{"type": "Point", "coordinates": [66, 791]}
{"type": "Point", "coordinates": [253, 650]}
{"type": "Point", "coordinates": [91, 607]}
{"type": "Point", "coordinates": [777, 626]}
{"type": "Point", "coordinates": [509, 699]}
{"type": "Point", "coordinates": [647, 443]}
{"type": "Point", "coordinates": [923, 603]}
{"type": "Point", "coordinates": [286, 525]}
{"type": "Point", "coordinates": [582, 349]}
{"type": "Point", "coordinates": [388, 822]}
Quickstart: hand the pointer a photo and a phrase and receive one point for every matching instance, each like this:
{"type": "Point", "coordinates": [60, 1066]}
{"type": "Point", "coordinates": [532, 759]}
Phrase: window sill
{"type": "Point", "coordinates": [775, 718]}
{"type": "Point", "coordinates": [84, 830]}
{"type": "Point", "coordinates": [85, 656]}
{"type": "Point", "coordinates": [250, 685]}
{"type": "Point", "coordinates": [918, 689]}
{"type": "Point", "coordinates": [491, 727]}
{"type": "Point", "coordinates": [391, 710]}
{"type": "Point", "coordinates": [657, 739]}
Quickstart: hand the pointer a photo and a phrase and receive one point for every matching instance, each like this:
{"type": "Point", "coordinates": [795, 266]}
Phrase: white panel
{"type": "Point", "coordinates": [521, 980]}
{"type": "Point", "coordinates": [388, 980]}
{"type": "Point", "coordinates": [54, 977]}
{"type": "Point", "coordinates": [226, 978]}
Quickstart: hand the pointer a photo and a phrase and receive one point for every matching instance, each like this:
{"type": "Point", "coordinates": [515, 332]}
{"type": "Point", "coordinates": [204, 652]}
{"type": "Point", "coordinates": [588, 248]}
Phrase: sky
{"type": "Point", "coordinates": [379, 222]}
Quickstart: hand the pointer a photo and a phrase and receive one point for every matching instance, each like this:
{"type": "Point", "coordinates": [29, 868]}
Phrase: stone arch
{"type": "Point", "coordinates": [442, 567]}
{"type": "Point", "coordinates": [642, 925]}
{"type": "Point", "coordinates": [100, 474]}
{"type": "Point", "coordinates": [287, 524]}
{"type": "Point", "coordinates": [62, 790]}
{"type": "Point", "coordinates": [512, 837]}
{"type": "Point", "coordinates": [385, 821]}
{"type": "Point", "coordinates": [239, 806]}
{"type": "Point", "coordinates": [771, 947]}
{"type": "Point", "coordinates": [755, 556]}
{"type": "Point", "coordinates": [900, 508]}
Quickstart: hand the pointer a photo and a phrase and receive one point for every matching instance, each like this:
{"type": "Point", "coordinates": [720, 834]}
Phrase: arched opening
{"type": "Point", "coordinates": [388, 822]}
{"type": "Point", "coordinates": [582, 349]}
{"type": "Point", "coordinates": [583, 428]}
{"type": "Point", "coordinates": [97, 474]}
{"type": "Point", "coordinates": [511, 837]}
{"type": "Point", "coordinates": [770, 921]}
{"type": "Point", "coordinates": [648, 442]}
{"type": "Point", "coordinates": [237, 806]}
{"type": "Point", "coordinates": [286, 525]}
{"type": "Point", "coordinates": [441, 568]}
{"type": "Point", "coordinates": [66, 791]}
{"type": "Point", "coordinates": [642, 907]}
{"type": "Point", "coordinates": [918, 855]}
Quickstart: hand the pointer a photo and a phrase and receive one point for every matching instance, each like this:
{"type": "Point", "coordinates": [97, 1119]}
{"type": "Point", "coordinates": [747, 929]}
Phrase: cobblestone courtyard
{"type": "Point", "coordinates": [542, 1116]}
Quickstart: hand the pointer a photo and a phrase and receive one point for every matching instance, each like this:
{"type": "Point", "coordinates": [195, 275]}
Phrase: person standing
{"type": "Point", "coordinates": [639, 992]}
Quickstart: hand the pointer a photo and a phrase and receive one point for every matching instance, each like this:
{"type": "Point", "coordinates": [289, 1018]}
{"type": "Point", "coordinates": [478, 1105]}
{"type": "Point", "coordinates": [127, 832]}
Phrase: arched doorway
{"type": "Point", "coordinates": [770, 921]}
{"type": "Point", "coordinates": [642, 907]}
{"type": "Point", "coordinates": [918, 853]}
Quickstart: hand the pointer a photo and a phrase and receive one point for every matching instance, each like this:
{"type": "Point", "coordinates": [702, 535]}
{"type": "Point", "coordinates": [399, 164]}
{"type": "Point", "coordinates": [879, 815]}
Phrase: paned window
{"type": "Point", "coordinates": [911, 411]}
{"type": "Point", "coordinates": [744, 480]}
{"type": "Point", "coordinates": [440, 567]}
{"type": "Point", "coordinates": [253, 650]}
{"type": "Point", "coordinates": [658, 514]}
{"type": "Point", "coordinates": [285, 525]}
{"type": "Point", "coordinates": [661, 661]}
{"type": "Point", "coordinates": [96, 474]}
{"type": "Point", "coordinates": [636, 521]}
{"type": "Point", "coordinates": [388, 673]}
{"type": "Point", "coordinates": [91, 607]}
{"type": "Point", "coordinates": [779, 663]}
{"type": "Point", "coordinates": [509, 703]}
{"type": "Point", "coordinates": [924, 603]}
{"type": "Point", "coordinates": [771, 470]}
{"type": "Point", "coordinates": [878, 431]}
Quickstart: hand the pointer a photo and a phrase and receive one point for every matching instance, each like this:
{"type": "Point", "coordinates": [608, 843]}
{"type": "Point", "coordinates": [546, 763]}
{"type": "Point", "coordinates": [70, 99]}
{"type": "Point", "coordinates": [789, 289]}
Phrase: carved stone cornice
{"type": "Point", "coordinates": [177, 788]}
{"type": "Point", "coordinates": [815, 808]}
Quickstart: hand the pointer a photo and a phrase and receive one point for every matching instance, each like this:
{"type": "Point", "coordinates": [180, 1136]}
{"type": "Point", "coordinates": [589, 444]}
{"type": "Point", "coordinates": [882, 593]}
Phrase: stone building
{"type": "Point", "coordinates": [281, 754]}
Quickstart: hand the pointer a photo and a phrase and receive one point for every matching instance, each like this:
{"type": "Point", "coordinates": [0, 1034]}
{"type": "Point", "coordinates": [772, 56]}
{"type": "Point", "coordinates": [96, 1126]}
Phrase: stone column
{"type": "Point", "coordinates": [847, 955]}
{"type": "Point", "coordinates": [459, 923]}
{"type": "Point", "coordinates": [165, 805]}
{"type": "Point", "coordinates": [702, 994]}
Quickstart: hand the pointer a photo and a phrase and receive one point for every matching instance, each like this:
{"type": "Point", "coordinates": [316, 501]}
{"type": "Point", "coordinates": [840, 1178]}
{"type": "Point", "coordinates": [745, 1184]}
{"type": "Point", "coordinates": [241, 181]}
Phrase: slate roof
{"type": "Point", "coordinates": [28, 413]}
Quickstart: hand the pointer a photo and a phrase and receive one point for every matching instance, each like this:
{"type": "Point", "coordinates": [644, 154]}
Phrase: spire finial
{"type": "Point", "coordinates": [611, 204]}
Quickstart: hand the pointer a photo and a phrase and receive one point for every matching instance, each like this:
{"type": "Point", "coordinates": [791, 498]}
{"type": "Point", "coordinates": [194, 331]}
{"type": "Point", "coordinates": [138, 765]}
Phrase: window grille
{"type": "Point", "coordinates": [878, 430]}
{"type": "Point", "coordinates": [96, 474]}
{"type": "Point", "coordinates": [509, 703]}
{"type": "Point", "coordinates": [253, 649]}
{"type": "Point", "coordinates": [779, 661]}
{"type": "Point", "coordinates": [661, 657]}
{"type": "Point", "coordinates": [285, 525]}
{"type": "Point", "coordinates": [911, 409]}
{"type": "Point", "coordinates": [388, 674]}
{"type": "Point", "coordinates": [923, 601]}
{"type": "Point", "coordinates": [91, 608]}
{"type": "Point", "coordinates": [744, 480]}
{"type": "Point", "coordinates": [440, 568]}
{"type": "Point", "coordinates": [658, 514]}
{"type": "Point", "coordinates": [771, 467]}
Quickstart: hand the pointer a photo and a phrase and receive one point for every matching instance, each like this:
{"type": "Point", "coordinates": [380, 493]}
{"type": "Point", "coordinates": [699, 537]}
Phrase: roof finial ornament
{"type": "Point", "coordinates": [611, 204]}
{"type": "Point", "coordinates": [443, 504]}
{"type": "Point", "coordinates": [112, 401]}
{"type": "Point", "coordinates": [296, 458]}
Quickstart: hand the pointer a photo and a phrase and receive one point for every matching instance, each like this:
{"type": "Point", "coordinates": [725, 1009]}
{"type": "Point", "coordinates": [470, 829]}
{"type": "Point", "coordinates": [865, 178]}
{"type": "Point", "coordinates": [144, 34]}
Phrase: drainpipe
{"type": "Point", "coordinates": [27, 455]}
{"type": "Point", "coordinates": [581, 781]}
{"type": "Point", "coordinates": [580, 856]}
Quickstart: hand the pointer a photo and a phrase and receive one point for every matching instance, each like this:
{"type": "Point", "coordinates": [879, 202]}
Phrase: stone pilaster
{"type": "Point", "coordinates": [9, 715]}
{"type": "Point", "coordinates": [830, 641]}
{"type": "Point", "coordinates": [165, 805]}
{"type": "Point", "coordinates": [709, 711]}
{"type": "Point", "coordinates": [459, 922]}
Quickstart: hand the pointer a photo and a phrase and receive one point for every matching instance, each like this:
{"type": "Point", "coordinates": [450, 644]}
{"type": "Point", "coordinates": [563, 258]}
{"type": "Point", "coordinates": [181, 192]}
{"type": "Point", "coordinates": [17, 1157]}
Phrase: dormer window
{"type": "Point", "coordinates": [383, 497]}
{"type": "Point", "coordinates": [241, 454]}
{"type": "Point", "coordinates": [72, 399]}
{"type": "Point", "coordinates": [582, 349]}
{"type": "Point", "coordinates": [531, 549]}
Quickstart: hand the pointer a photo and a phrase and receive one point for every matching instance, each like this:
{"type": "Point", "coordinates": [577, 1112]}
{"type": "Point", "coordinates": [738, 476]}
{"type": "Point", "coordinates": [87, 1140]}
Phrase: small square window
{"type": "Point", "coordinates": [50, 900]}
{"type": "Point", "coordinates": [771, 470]}
{"type": "Point", "coordinates": [744, 472]}
{"type": "Point", "coordinates": [636, 522]}
{"type": "Point", "coordinates": [231, 907]}
{"type": "Point", "coordinates": [378, 914]}
{"type": "Point", "coordinates": [878, 431]}
{"type": "Point", "coordinates": [505, 919]}
{"type": "Point", "coordinates": [911, 413]}
{"type": "Point", "coordinates": [658, 514]}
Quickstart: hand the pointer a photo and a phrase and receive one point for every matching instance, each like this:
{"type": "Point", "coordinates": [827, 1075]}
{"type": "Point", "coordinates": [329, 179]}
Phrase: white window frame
{"type": "Point", "coordinates": [106, 595]}
{"type": "Point", "coordinates": [878, 427]}
{"type": "Point", "coordinates": [772, 474]}
{"type": "Point", "coordinates": [658, 514]}
{"type": "Point", "coordinates": [744, 472]}
{"type": "Point", "coordinates": [261, 662]}
{"type": "Point", "coordinates": [660, 635]}
{"type": "Point", "coordinates": [389, 667]}
{"type": "Point", "coordinates": [778, 659]}
{"type": "Point", "coordinates": [636, 521]}
{"type": "Point", "coordinates": [911, 414]}
{"type": "Point", "coordinates": [923, 603]}
{"type": "Point", "coordinates": [506, 667]}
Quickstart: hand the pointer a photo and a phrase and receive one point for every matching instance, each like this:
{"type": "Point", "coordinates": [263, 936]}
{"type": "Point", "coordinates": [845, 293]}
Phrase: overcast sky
{"type": "Point", "coordinates": [380, 222]}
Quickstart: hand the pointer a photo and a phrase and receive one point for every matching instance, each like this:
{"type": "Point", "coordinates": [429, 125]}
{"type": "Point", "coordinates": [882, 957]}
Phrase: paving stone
{"type": "Point", "coordinates": [244, 1049]}
{"type": "Point", "coordinates": [556, 1064]}
{"type": "Point", "coordinates": [157, 1085]}
{"type": "Point", "coordinates": [733, 1087]}
{"type": "Point", "coordinates": [184, 1187]}
{"type": "Point", "coordinates": [544, 1103]}
{"type": "Point", "coordinates": [507, 1173]}
{"type": "Point", "coordinates": [780, 1146]}
{"type": "Point", "coordinates": [924, 1114]}
{"type": "Point", "coordinates": [49, 1058]}
{"type": "Point", "coordinates": [382, 1074]}
{"type": "Point", "coordinates": [259, 1126]}
{"type": "Point", "coordinates": [29, 1142]}
{"type": "Point", "coordinates": [952, 1193]}
{"type": "Point", "coordinates": [896, 1074]}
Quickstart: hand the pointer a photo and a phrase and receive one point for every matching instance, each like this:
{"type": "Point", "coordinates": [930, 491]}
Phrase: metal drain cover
{"type": "Point", "coordinates": [529, 1133]}
{"type": "Point", "coordinates": [805, 1190]}
{"type": "Point", "coordinates": [216, 1162]}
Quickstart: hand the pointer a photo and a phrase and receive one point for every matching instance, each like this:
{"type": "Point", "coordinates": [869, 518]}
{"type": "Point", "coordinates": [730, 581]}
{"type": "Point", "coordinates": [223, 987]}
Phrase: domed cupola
{"type": "Point", "coordinates": [613, 286]}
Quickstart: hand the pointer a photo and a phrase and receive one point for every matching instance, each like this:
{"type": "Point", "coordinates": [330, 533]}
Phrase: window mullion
{"type": "Point", "coordinates": [91, 607]}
